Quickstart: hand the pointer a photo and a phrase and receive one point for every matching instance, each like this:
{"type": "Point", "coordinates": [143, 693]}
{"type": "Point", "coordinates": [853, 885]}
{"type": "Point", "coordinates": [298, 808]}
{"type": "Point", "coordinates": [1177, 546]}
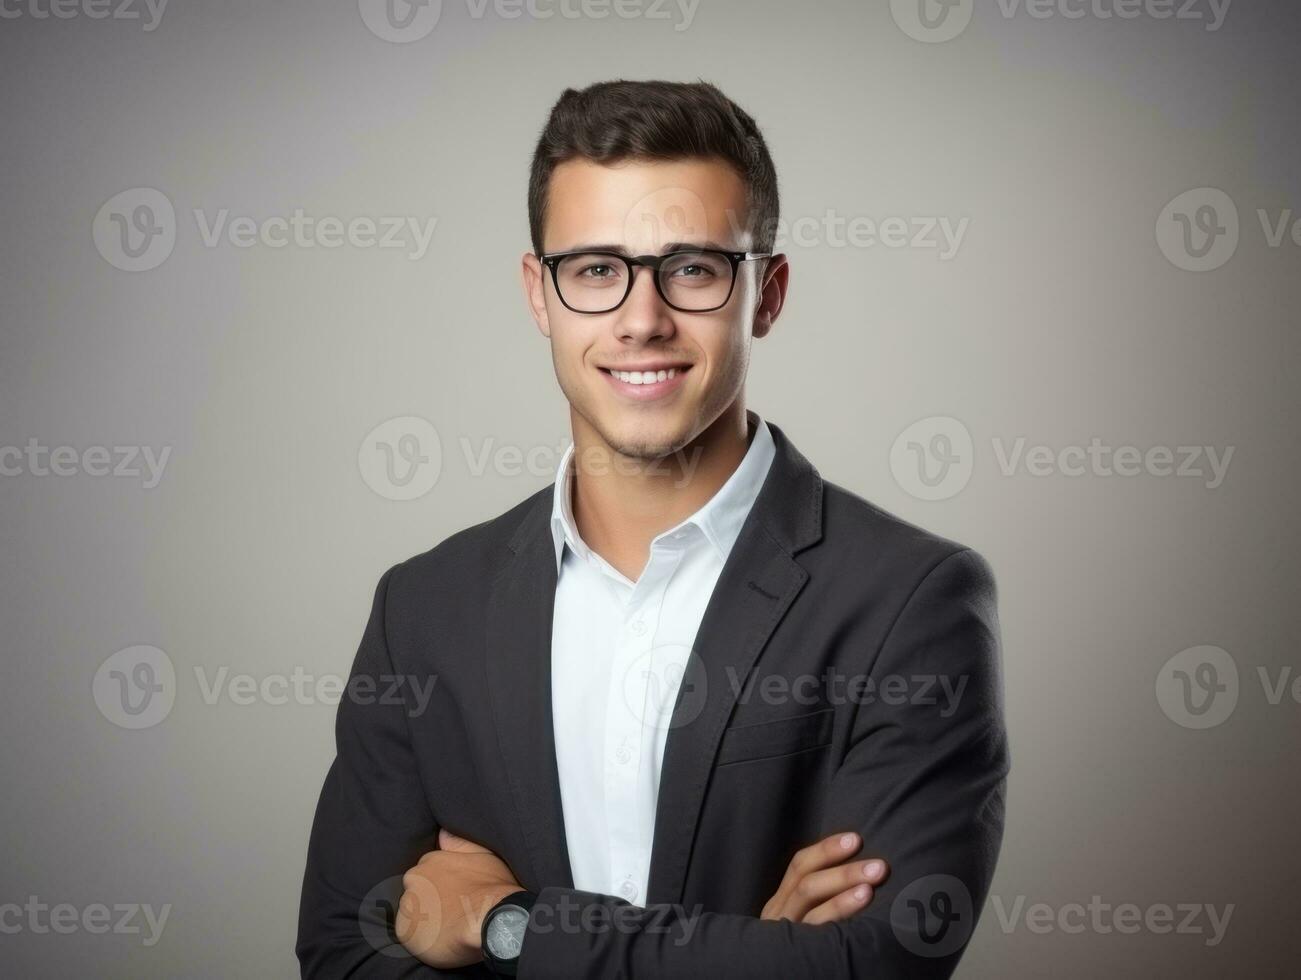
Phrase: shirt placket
{"type": "Point", "coordinates": [630, 722]}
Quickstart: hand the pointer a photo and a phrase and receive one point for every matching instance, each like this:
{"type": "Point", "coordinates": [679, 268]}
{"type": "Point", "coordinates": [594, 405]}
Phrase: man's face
{"type": "Point", "coordinates": [648, 208]}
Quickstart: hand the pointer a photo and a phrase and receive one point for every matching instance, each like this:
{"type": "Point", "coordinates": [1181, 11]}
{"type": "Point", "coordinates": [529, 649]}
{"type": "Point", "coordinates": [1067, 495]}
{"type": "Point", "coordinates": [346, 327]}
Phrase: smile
{"type": "Point", "coordinates": [647, 384]}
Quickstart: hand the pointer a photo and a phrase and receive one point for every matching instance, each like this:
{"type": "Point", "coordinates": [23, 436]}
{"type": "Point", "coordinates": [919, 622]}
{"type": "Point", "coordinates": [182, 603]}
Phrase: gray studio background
{"type": "Point", "coordinates": [1073, 309]}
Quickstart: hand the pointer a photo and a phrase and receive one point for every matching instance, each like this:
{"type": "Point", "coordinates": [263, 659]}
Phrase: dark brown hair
{"type": "Point", "coordinates": [614, 121]}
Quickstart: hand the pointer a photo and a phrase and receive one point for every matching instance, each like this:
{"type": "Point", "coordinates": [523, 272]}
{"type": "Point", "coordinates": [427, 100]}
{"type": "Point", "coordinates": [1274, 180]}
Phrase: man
{"type": "Point", "coordinates": [690, 700]}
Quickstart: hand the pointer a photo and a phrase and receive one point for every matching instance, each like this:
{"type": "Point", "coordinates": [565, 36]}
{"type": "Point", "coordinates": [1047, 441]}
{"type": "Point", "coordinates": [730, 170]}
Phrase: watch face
{"type": "Point", "coordinates": [506, 932]}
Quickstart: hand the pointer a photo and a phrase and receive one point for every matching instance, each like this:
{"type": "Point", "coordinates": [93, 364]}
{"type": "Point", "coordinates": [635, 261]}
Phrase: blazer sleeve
{"type": "Point", "coordinates": [372, 824]}
{"type": "Point", "coordinates": [923, 782]}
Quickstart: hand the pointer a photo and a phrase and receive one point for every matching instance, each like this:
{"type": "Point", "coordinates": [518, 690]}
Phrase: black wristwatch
{"type": "Point", "coordinates": [503, 933]}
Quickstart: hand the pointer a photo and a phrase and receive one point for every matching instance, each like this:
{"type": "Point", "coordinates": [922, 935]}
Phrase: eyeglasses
{"type": "Point", "coordinates": [695, 280]}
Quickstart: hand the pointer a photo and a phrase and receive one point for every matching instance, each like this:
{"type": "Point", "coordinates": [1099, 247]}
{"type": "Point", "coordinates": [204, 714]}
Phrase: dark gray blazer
{"type": "Point", "coordinates": [815, 702]}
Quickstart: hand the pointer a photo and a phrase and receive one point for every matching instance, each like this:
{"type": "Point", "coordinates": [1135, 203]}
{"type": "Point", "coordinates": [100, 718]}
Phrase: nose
{"type": "Point", "coordinates": [644, 316]}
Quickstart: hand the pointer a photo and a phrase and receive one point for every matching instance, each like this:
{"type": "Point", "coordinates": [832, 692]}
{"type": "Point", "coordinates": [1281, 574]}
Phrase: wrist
{"type": "Point", "coordinates": [485, 902]}
{"type": "Point", "coordinates": [505, 928]}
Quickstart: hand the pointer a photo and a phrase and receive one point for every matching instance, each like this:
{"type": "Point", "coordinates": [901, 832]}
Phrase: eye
{"type": "Point", "coordinates": [597, 270]}
{"type": "Point", "coordinates": [695, 268]}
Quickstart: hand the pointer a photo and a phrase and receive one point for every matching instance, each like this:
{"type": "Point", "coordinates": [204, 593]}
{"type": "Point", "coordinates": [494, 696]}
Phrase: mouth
{"type": "Point", "coordinates": [651, 382]}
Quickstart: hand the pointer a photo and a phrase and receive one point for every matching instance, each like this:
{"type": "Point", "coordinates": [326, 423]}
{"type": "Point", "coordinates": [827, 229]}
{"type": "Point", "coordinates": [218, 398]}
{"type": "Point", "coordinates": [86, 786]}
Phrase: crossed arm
{"type": "Point", "coordinates": [448, 893]}
{"type": "Point", "coordinates": [919, 786]}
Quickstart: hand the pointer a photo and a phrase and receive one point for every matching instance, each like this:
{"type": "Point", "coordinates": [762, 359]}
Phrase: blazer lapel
{"type": "Point", "coordinates": [759, 581]}
{"type": "Point", "coordinates": [518, 664]}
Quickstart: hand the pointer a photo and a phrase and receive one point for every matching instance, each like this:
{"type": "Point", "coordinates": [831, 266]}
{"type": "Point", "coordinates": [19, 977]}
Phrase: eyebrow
{"type": "Point", "coordinates": [670, 247]}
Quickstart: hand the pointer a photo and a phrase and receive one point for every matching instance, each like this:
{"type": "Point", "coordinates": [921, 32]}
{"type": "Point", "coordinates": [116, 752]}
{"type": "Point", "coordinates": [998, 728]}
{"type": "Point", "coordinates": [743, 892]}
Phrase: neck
{"type": "Point", "coordinates": [621, 503]}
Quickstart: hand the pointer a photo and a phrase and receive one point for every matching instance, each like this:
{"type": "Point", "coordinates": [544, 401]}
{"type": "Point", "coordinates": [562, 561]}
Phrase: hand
{"type": "Point", "coordinates": [446, 896]}
{"type": "Point", "coordinates": [820, 887]}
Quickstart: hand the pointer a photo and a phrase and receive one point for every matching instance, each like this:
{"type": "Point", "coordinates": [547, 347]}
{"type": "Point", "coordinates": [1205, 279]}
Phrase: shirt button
{"type": "Point", "coordinates": [638, 627]}
{"type": "Point", "coordinates": [628, 890]}
{"type": "Point", "coordinates": [623, 754]}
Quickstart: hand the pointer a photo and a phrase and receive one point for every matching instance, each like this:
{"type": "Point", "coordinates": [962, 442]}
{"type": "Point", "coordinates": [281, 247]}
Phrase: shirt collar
{"type": "Point", "coordinates": [720, 519]}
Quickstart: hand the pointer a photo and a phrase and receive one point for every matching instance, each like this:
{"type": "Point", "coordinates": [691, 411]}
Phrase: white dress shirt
{"type": "Point", "coordinates": [618, 652]}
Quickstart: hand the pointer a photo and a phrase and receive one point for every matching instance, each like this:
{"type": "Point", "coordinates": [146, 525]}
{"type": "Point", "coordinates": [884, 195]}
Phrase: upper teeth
{"type": "Point", "coordinates": [644, 377]}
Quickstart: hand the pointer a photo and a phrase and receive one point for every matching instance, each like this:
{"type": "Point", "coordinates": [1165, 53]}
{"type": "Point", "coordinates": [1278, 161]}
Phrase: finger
{"type": "Point", "coordinates": [449, 841]}
{"type": "Point", "coordinates": [825, 853]}
{"type": "Point", "coordinates": [416, 924]}
{"type": "Point", "coordinates": [816, 888]}
{"type": "Point", "coordinates": [841, 907]}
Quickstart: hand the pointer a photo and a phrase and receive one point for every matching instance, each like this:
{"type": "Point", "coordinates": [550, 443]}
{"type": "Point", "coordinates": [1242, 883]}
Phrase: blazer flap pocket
{"type": "Point", "coordinates": [773, 738]}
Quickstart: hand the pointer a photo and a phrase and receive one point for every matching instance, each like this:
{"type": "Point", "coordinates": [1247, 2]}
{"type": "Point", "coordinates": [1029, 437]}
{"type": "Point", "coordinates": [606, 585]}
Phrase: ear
{"type": "Point", "coordinates": [772, 294]}
{"type": "Point", "coordinates": [533, 275]}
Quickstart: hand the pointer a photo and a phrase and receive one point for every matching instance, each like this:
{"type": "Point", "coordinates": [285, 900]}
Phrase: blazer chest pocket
{"type": "Point", "coordinates": [768, 739]}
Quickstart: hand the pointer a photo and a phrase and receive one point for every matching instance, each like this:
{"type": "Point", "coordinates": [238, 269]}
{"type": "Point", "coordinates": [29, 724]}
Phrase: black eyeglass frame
{"type": "Point", "coordinates": [653, 262]}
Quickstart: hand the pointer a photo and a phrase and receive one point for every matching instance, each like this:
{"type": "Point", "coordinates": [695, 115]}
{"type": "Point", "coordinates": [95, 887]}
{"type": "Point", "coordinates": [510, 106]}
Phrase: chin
{"type": "Point", "coordinates": [645, 449]}
{"type": "Point", "coordinates": [646, 440]}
